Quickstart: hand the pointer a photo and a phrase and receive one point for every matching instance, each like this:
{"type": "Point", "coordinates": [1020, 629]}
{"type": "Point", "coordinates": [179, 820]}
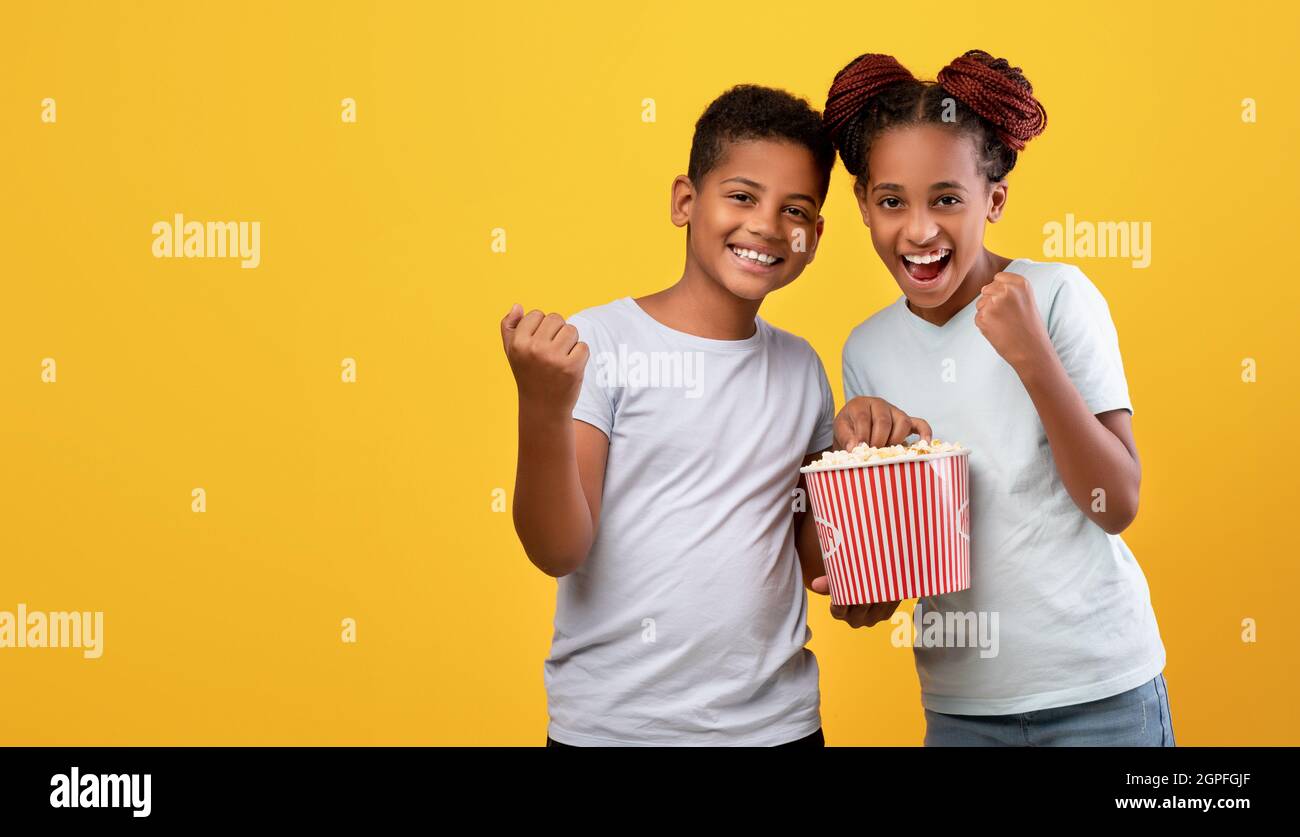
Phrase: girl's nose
{"type": "Point", "coordinates": [920, 227]}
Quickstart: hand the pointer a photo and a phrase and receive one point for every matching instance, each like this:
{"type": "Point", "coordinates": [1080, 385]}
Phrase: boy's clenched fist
{"type": "Point", "coordinates": [546, 357]}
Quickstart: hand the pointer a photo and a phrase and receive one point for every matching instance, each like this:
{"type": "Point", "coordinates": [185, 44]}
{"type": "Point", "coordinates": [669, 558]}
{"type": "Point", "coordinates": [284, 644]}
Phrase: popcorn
{"type": "Point", "coordinates": [893, 523]}
{"type": "Point", "coordinates": [865, 453]}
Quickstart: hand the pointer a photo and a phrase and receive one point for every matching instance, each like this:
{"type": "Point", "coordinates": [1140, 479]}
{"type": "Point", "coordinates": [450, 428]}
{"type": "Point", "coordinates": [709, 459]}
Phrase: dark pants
{"type": "Point", "coordinates": [814, 740]}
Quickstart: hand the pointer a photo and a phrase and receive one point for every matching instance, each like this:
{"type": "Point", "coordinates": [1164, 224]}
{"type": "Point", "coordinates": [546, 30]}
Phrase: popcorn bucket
{"type": "Point", "coordinates": [895, 528]}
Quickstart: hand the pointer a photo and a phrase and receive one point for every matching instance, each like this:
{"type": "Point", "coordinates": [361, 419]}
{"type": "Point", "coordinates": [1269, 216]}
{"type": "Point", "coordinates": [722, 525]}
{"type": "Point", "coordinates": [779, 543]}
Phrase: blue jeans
{"type": "Point", "coordinates": [1136, 718]}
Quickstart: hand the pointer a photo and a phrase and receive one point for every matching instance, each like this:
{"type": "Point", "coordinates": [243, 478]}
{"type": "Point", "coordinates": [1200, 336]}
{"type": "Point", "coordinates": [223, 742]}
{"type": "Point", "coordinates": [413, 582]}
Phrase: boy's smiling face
{"type": "Point", "coordinates": [927, 203]}
{"type": "Point", "coordinates": [754, 222]}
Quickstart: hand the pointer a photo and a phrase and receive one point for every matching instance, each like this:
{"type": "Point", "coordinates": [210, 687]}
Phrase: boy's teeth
{"type": "Point", "coordinates": [753, 255]}
{"type": "Point", "coordinates": [932, 257]}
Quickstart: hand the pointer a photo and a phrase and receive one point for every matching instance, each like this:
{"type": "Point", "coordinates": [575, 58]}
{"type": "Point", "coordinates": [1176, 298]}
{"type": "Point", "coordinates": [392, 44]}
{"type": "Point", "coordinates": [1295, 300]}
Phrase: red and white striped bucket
{"type": "Point", "coordinates": [894, 529]}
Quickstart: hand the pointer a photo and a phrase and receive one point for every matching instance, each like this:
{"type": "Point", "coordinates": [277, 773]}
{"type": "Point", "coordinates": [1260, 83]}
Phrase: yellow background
{"type": "Point", "coordinates": [374, 500]}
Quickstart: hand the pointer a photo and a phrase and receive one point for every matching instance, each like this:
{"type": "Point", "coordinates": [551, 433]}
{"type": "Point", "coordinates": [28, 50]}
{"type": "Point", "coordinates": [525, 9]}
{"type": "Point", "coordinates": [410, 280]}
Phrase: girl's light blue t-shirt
{"type": "Point", "coordinates": [1059, 610]}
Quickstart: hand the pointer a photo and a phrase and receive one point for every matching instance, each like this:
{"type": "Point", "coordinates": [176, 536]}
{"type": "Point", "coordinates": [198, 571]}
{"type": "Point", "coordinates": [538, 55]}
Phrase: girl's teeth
{"type": "Point", "coordinates": [754, 256]}
{"type": "Point", "coordinates": [932, 257]}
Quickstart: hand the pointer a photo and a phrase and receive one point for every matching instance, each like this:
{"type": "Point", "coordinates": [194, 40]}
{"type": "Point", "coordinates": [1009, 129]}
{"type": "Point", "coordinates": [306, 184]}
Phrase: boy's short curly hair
{"type": "Point", "coordinates": [754, 112]}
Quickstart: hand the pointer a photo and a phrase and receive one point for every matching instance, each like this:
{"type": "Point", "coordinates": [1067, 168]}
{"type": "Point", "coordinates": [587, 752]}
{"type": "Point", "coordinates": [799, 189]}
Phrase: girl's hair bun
{"type": "Point", "coordinates": [853, 100]}
{"type": "Point", "coordinates": [998, 92]}
{"type": "Point", "coordinates": [863, 78]}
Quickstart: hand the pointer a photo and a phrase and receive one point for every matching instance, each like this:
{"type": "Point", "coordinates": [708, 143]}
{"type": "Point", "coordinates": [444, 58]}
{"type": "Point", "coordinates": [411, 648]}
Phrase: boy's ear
{"type": "Point", "coordinates": [997, 201]}
{"type": "Point", "coordinates": [817, 238]}
{"type": "Point", "coordinates": [860, 192]}
{"type": "Point", "coordinates": [683, 200]}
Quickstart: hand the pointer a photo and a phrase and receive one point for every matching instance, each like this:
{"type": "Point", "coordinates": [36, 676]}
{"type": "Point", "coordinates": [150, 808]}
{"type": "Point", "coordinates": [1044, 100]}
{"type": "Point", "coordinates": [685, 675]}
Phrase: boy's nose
{"type": "Point", "coordinates": [763, 224]}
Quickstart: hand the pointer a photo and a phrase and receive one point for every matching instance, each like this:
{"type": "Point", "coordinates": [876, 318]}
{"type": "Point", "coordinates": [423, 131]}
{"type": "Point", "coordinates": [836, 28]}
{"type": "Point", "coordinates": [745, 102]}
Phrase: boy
{"type": "Point", "coordinates": [657, 459]}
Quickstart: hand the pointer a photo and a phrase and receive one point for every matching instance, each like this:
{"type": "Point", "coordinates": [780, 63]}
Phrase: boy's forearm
{"type": "Point", "coordinates": [809, 548]}
{"type": "Point", "coordinates": [551, 513]}
{"type": "Point", "coordinates": [1087, 454]}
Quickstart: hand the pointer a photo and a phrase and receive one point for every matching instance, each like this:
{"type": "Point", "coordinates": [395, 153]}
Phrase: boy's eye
{"type": "Point", "coordinates": [741, 196]}
{"type": "Point", "coordinates": [797, 211]}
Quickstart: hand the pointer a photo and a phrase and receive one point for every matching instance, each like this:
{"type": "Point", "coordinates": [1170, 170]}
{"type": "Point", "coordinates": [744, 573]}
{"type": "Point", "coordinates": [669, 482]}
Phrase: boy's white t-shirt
{"type": "Point", "coordinates": [687, 623]}
{"type": "Point", "coordinates": [1074, 616]}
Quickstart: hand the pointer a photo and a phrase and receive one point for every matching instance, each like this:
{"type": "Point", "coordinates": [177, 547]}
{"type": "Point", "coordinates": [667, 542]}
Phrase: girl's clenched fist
{"type": "Point", "coordinates": [1008, 318]}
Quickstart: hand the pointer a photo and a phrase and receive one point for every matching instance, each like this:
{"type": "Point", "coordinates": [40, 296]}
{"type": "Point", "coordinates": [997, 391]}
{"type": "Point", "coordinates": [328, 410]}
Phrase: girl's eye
{"type": "Point", "coordinates": [955, 200]}
{"type": "Point", "coordinates": [891, 203]}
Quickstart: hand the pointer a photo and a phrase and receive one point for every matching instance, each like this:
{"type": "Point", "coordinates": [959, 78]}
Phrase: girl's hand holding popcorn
{"type": "Point", "coordinates": [876, 422]}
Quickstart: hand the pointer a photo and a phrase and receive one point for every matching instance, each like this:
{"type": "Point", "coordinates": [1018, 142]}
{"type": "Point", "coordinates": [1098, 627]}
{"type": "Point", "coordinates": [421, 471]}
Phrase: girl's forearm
{"type": "Point", "coordinates": [1088, 455]}
{"type": "Point", "coordinates": [551, 513]}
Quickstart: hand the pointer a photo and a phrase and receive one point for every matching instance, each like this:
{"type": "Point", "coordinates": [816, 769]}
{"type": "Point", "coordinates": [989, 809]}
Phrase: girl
{"type": "Point", "coordinates": [1018, 360]}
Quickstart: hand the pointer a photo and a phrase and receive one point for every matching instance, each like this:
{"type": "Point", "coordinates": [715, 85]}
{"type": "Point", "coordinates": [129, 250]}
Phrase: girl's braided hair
{"type": "Point", "coordinates": [976, 93]}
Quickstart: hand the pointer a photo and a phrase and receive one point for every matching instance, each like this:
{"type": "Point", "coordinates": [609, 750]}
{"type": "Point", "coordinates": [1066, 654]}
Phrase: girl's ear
{"type": "Point", "coordinates": [683, 200]}
{"type": "Point", "coordinates": [997, 201]}
{"type": "Point", "coordinates": [860, 192]}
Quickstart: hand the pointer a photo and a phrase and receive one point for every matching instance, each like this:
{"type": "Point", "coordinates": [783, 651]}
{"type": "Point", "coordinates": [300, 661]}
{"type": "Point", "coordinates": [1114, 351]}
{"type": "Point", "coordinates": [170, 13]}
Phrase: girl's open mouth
{"type": "Point", "coordinates": [925, 268]}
